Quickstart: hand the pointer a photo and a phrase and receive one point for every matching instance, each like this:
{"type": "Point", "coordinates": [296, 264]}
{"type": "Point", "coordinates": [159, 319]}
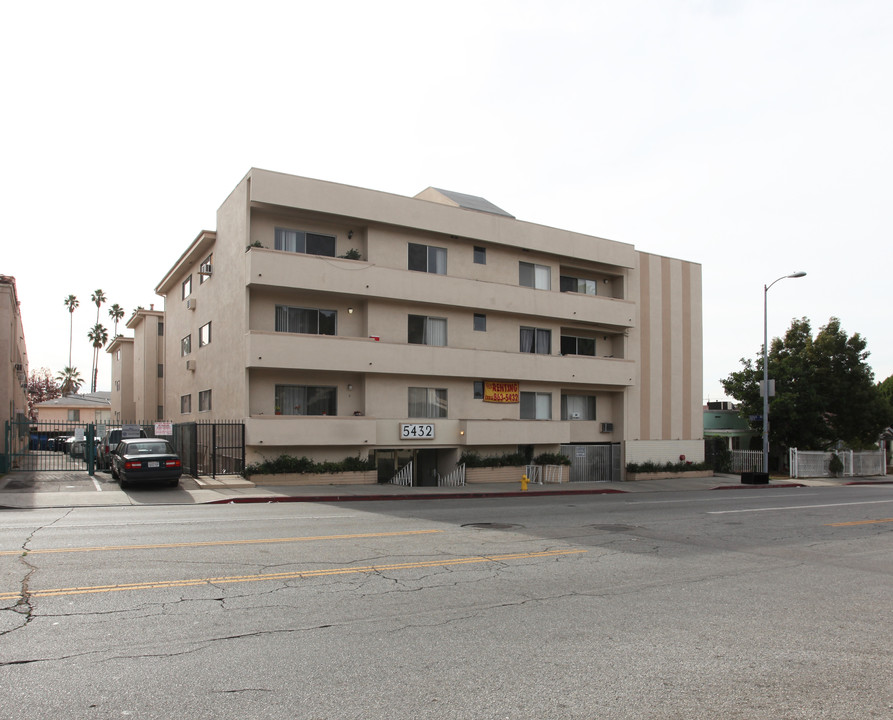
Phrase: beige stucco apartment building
{"type": "Point", "coordinates": [14, 361]}
{"type": "Point", "coordinates": [338, 321]}
{"type": "Point", "coordinates": [138, 369]}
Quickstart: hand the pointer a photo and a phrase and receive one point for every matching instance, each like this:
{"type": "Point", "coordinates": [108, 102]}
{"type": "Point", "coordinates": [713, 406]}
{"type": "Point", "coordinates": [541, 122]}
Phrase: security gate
{"type": "Point", "coordinates": [593, 463]}
{"type": "Point", "coordinates": [48, 445]}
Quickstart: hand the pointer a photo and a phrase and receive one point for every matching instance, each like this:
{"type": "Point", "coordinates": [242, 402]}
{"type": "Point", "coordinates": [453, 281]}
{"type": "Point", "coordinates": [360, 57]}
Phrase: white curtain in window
{"type": "Point", "coordinates": [527, 338]}
{"type": "Point", "coordinates": [436, 331]}
{"type": "Point", "coordinates": [437, 258]}
{"type": "Point", "coordinates": [544, 406]}
{"type": "Point", "coordinates": [543, 275]}
{"type": "Point", "coordinates": [543, 341]}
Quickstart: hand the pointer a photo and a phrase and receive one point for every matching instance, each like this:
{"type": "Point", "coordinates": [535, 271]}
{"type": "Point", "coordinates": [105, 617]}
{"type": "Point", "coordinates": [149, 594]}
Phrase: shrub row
{"type": "Point", "coordinates": [653, 467]}
{"type": "Point", "coordinates": [292, 464]}
{"type": "Point", "coordinates": [474, 460]}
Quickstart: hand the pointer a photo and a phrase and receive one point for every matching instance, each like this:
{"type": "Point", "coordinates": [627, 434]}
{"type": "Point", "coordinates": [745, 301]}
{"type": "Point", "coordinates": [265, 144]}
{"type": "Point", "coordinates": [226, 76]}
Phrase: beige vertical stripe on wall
{"type": "Point", "coordinates": [687, 399]}
{"type": "Point", "coordinates": [645, 350]}
{"type": "Point", "coordinates": [666, 359]}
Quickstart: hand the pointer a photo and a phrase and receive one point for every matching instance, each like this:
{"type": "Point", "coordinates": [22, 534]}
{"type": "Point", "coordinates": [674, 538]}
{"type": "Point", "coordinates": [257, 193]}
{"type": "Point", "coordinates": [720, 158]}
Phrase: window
{"type": "Point", "coordinates": [204, 401]}
{"type": "Point", "coordinates": [306, 400]}
{"type": "Point", "coordinates": [117, 385]}
{"type": "Point", "coordinates": [427, 402]}
{"type": "Point", "coordinates": [186, 404]}
{"type": "Point", "coordinates": [571, 345]}
{"type": "Point", "coordinates": [186, 288]}
{"type": "Point", "coordinates": [74, 415]}
{"type": "Point", "coordinates": [480, 322]}
{"type": "Point", "coordinates": [204, 272]}
{"type": "Point", "coordinates": [535, 276]}
{"type": "Point", "coordinates": [309, 243]}
{"type": "Point", "coordinates": [186, 346]}
{"type": "Point", "coordinates": [578, 285]}
{"type": "Point", "coordinates": [478, 389]}
{"type": "Point", "coordinates": [118, 355]}
{"type": "Point", "coordinates": [204, 335]}
{"type": "Point", "coordinates": [480, 255]}
{"type": "Point", "coordinates": [536, 340]}
{"type": "Point", "coordinates": [427, 330]}
{"type": "Point", "coordinates": [306, 320]}
{"type": "Point", "coordinates": [160, 328]}
{"type": "Point", "coordinates": [578, 407]}
{"type": "Point", "coordinates": [159, 412]}
{"type": "Point", "coordinates": [160, 370]}
{"type": "Point", "coordinates": [426, 258]}
{"type": "Point", "coordinates": [536, 406]}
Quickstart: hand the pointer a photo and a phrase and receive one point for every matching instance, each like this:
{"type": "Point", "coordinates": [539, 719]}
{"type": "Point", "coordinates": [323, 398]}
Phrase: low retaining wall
{"type": "Point", "coordinates": [510, 474]}
{"type": "Point", "coordinates": [632, 477]}
{"type": "Point", "coordinates": [369, 477]}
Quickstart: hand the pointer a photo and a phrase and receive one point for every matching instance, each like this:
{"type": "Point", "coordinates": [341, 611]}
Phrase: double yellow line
{"type": "Point", "coordinates": [295, 575]}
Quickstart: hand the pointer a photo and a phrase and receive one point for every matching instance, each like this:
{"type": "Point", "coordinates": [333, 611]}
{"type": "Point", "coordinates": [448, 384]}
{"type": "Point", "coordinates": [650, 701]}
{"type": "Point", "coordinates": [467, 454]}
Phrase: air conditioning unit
{"type": "Point", "coordinates": [607, 427]}
{"type": "Point", "coordinates": [190, 365]}
{"type": "Point", "coordinates": [204, 269]}
{"type": "Point", "coordinates": [190, 304]}
{"type": "Point", "coordinates": [575, 416]}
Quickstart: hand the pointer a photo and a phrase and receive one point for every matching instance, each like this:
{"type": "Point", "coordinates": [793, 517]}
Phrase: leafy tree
{"type": "Point", "coordinates": [98, 336]}
{"type": "Point", "coordinates": [70, 380]}
{"type": "Point", "coordinates": [116, 313]}
{"type": "Point", "coordinates": [71, 302]}
{"type": "Point", "coordinates": [41, 387]}
{"type": "Point", "coordinates": [825, 391]}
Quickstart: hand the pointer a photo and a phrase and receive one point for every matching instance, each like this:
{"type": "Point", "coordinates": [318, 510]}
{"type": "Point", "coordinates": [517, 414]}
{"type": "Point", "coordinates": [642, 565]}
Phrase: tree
{"type": "Point", "coordinates": [70, 379]}
{"type": "Point", "coordinates": [71, 302]}
{"type": "Point", "coordinates": [824, 390]}
{"type": "Point", "coordinates": [116, 313]}
{"type": "Point", "coordinates": [41, 387]}
{"type": "Point", "coordinates": [98, 336]}
{"type": "Point", "coordinates": [98, 297]}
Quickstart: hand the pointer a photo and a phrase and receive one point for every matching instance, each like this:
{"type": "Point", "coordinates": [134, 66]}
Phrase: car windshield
{"type": "Point", "coordinates": [144, 448]}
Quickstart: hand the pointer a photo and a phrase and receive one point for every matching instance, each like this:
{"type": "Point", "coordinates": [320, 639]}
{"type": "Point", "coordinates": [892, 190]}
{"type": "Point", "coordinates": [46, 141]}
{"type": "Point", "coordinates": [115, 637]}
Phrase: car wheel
{"type": "Point", "coordinates": [122, 482]}
{"type": "Point", "coordinates": [173, 483]}
{"type": "Point", "coordinates": [114, 472]}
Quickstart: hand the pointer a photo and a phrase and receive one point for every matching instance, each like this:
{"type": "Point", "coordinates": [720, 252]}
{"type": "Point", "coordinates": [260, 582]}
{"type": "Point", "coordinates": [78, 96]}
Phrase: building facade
{"type": "Point", "coordinates": [13, 364]}
{"type": "Point", "coordinates": [138, 369]}
{"type": "Point", "coordinates": [338, 321]}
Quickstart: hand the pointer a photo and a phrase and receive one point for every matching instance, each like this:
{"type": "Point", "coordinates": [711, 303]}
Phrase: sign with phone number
{"type": "Point", "coordinates": [416, 431]}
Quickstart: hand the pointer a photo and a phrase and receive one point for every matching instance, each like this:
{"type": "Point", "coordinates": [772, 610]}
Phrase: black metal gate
{"type": "Point", "coordinates": [48, 445]}
{"type": "Point", "coordinates": [210, 448]}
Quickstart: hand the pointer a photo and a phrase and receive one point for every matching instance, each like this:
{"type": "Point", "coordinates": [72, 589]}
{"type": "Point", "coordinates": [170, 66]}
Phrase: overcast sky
{"type": "Point", "coordinates": [751, 137]}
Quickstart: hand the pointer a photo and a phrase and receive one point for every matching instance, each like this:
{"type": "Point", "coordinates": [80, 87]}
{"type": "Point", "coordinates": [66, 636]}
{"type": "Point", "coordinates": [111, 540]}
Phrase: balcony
{"type": "Point", "coordinates": [276, 269]}
{"type": "Point", "coordinates": [361, 355]}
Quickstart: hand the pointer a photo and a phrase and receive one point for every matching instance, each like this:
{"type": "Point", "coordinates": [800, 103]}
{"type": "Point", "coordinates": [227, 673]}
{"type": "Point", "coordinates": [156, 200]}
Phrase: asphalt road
{"type": "Point", "coordinates": [732, 604]}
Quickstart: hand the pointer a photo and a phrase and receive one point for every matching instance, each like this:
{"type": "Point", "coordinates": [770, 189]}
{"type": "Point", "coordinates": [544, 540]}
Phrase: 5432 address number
{"type": "Point", "coordinates": [417, 431]}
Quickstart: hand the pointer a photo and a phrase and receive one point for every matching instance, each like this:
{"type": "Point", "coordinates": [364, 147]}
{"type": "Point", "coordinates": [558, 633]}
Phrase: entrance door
{"type": "Point", "coordinates": [593, 463]}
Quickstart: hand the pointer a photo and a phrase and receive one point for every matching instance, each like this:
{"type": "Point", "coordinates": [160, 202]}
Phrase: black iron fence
{"type": "Point", "coordinates": [205, 448]}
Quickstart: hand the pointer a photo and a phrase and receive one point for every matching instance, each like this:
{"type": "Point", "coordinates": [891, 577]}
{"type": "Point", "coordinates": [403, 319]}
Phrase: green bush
{"type": "Point", "coordinates": [303, 465]}
{"type": "Point", "coordinates": [551, 459]}
{"type": "Point", "coordinates": [473, 460]}
{"type": "Point", "coordinates": [835, 465]}
{"type": "Point", "coordinates": [653, 467]}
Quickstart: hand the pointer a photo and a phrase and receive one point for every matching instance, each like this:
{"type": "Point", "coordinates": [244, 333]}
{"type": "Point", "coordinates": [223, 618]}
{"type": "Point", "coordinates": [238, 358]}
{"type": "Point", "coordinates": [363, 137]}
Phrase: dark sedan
{"type": "Point", "coordinates": [145, 459]}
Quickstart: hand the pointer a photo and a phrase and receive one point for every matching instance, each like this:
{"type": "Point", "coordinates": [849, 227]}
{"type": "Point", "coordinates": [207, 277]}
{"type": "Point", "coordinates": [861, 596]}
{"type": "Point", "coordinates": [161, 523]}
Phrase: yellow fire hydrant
{"type": "Point", "coordinates": [524, 482]}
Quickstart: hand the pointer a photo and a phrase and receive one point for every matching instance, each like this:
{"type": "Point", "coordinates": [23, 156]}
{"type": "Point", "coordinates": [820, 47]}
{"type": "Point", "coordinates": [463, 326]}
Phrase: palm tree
{"type": "Point", "coordinates": [71, 302]}
{"type": "Point", "coordinates": [71, 380]}
{"type": "Point", "coordinates": [98, 297]}
{"type": "Point", "coordinates": [99, 336]}
{"type": "Point", "coordinates": [116, 313]}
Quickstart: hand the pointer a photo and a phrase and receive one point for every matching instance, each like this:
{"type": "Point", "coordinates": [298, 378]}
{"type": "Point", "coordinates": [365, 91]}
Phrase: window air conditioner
{"type": "Point", "coordinates": [190, 304]}
{"type": "Point", "coordinates": [190, 365]}
{"type": "Point", "coordinates": [607, 427]}
{"type": "Point", "coordinates": [575, 416]}
{"type": "Point", "coordinates": [205, 269]}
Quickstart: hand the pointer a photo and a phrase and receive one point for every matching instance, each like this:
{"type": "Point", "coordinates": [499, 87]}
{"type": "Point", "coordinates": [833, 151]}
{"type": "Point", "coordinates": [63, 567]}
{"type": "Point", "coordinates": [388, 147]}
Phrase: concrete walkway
{"type": "Point", "coordinates": [77, 489]}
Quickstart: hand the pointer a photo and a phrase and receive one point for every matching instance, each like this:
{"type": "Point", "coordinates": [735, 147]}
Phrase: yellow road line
{"type": "Point", "coordinates": [212, 543]}
{"type": "Point", "coordinates": [859, 522]}
{"type": "Point", "coordinates": [299, 574]}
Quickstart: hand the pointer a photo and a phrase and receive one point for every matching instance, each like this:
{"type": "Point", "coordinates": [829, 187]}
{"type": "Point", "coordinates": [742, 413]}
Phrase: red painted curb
{"type": "Point", "coordinates": [746, 486]}
{"type": "Point", "coordinates": [430, 496]}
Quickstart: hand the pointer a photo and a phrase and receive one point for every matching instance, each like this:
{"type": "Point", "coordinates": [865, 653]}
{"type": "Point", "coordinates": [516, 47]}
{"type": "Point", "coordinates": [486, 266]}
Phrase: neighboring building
{"type": "Point", "coordinates": [459, 328]}
{"type": "Point", "coordinates": [722, 419]}
{"type": "Point", "coordinates": [87, 408]}
{"type": "Point", "coordinates": [138, 369]}
{"type": "Point", "coordinates": [13, 363]}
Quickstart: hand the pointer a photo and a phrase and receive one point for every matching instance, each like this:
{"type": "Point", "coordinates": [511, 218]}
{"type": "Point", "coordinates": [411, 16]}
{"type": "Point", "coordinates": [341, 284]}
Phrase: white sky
{"type": "Point", "coordinates": [751, 137]}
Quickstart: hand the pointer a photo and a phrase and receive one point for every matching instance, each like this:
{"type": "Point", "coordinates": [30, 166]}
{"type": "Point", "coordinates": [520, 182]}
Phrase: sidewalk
{"type": "Point", "coordinates": [77, 489]}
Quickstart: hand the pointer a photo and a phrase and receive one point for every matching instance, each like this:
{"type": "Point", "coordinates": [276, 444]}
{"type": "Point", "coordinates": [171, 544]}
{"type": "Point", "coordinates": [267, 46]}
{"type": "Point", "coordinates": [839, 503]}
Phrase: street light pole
{"type": "Point", "coordinates": [766, 367]}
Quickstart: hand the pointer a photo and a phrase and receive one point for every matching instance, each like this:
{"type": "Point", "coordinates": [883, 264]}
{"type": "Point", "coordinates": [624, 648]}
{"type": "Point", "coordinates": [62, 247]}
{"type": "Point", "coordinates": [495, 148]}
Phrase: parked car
{"type": "Point", "coordinates": [107, 444]}
{"type": "Point", "coordinates": [145, 459]}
